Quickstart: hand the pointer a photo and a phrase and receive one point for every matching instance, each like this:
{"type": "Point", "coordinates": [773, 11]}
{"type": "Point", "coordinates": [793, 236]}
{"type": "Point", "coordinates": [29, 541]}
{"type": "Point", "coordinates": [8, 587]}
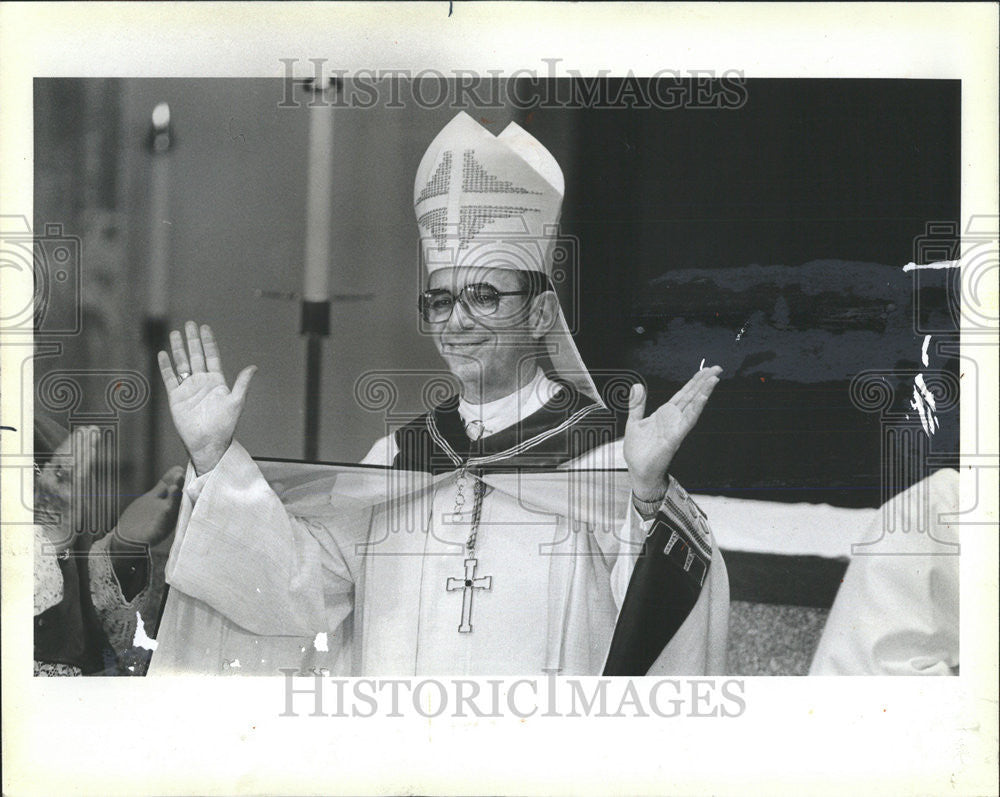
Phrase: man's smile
{"type": "Point", "coordinates": [462, 344]}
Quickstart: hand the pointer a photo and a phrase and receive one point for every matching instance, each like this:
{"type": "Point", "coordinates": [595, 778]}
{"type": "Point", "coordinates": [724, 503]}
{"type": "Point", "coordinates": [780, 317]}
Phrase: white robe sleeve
{"type": "Point", "coordinates": [238, 550]}
{"type": "Point", "coordinates": [634, 530]}
{"type": "Point", "coordinates": [383, 452]}
{"type": "Point", "coordinates": [897, 613]}
{"type": "Point", "coordinates": [699, 646]}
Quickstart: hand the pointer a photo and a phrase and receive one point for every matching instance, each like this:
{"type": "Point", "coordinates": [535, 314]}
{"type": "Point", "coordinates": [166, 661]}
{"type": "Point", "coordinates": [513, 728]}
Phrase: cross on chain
{"type": "Point", "coordinates": [467, 585]}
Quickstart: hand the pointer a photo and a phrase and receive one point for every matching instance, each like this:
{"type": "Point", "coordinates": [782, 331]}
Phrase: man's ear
{"type": "Point", "coordinates": [544, 312]}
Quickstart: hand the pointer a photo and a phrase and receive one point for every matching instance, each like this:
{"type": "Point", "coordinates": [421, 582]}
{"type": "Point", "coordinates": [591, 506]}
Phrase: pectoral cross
{"type": "Point", "coordinates": [467, 584]}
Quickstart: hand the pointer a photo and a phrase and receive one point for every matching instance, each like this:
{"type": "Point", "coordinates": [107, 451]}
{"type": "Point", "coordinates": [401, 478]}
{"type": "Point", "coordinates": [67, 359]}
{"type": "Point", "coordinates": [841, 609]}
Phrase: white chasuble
{"type": "Point", "coordinates": [369, 570]}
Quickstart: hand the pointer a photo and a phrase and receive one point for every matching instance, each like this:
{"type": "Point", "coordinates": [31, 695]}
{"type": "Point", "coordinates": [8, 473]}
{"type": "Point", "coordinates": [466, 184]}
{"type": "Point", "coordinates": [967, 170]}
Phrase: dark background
{"type": "Point", "coordinates": [830, 187]}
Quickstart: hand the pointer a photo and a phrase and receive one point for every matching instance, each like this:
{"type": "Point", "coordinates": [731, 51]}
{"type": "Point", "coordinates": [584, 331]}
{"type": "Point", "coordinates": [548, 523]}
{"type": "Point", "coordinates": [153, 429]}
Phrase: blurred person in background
{"type": "Point", "coordinates": [95, 602]}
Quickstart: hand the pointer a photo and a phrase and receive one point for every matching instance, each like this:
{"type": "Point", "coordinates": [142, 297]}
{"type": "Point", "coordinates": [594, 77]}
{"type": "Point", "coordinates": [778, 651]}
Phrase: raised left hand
{"type": "Point", "coordinates": [651, 443]}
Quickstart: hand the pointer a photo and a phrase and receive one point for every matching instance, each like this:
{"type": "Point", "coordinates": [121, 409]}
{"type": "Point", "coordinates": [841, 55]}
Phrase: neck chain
{"type": "Point", "coordinates": [476, 431]}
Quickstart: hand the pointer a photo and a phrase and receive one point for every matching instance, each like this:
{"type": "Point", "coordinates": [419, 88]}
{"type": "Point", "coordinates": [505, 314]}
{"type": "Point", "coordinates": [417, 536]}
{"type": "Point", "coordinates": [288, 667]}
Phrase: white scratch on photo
{"type": "Point", "coordinates": [923, 403]}
{"type": "Point", "coordinates": [928, 396]}
{"type": "Point", "coordinates": [140, 639]}
{"type": "Point", "coordinates": [928, 266]}
{"type": "Point", "coordinates": [992, 245]}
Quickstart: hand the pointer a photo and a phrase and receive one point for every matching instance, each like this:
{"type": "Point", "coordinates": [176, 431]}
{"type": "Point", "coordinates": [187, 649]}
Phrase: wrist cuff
{"type": "Point", "coordinates": [647, 508]}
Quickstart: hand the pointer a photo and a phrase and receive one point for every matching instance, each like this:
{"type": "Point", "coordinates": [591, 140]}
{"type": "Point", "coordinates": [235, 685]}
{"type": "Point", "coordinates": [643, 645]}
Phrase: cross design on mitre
{"type": "Point", "coordinates": [472, 217]}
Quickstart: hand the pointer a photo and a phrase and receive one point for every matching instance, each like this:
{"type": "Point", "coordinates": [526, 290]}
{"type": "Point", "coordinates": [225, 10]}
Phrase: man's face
{"type": "Point", "coordinates": [487, 353]}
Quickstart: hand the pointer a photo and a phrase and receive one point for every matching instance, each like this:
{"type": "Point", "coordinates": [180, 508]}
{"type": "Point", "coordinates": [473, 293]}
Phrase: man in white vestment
{"type": "Point", "coordinates": [498, 533]}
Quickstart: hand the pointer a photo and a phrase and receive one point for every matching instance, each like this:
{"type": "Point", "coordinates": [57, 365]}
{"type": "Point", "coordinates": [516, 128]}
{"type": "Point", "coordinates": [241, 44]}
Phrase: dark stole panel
{"type": "Point", "coordinates": [770, 239]}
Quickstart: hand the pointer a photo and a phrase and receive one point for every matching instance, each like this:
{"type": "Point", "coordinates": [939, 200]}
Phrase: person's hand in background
{"type": "Point", "coordinates": [151, 517]}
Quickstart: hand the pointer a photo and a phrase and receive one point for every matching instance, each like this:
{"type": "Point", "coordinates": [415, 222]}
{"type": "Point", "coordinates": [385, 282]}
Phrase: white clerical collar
{"type": "Point", "coordinates": [498, 415]}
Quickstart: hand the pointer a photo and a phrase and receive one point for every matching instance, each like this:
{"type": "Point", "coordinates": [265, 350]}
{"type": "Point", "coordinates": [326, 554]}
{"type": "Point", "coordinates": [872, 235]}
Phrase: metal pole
{"type": "Point", "coordinates": [160, 141]}
{"type": "Point", "coordinates": [155, 338]}
{"type": "Point", "coordinates": [315, 326]}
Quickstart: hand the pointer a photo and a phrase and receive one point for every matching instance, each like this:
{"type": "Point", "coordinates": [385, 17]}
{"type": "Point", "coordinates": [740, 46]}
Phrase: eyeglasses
{"type": "Point", "coordinates": [480, 300]}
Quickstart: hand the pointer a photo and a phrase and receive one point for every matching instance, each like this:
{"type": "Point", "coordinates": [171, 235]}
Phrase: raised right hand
{"type": "Point", "coordinates": [205, 411]}
{"type": "Point", "coordinates": [651, 443]}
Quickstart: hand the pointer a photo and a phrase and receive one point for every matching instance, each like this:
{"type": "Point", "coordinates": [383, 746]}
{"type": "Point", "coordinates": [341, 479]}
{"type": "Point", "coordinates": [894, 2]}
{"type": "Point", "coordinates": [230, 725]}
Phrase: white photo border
{"type": "Point", "coordinates": [218, 735]}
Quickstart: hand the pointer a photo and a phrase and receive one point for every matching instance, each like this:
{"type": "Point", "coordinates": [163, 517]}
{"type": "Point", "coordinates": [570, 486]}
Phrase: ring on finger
{"type": "Point", "coordinates": [182, 376]}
